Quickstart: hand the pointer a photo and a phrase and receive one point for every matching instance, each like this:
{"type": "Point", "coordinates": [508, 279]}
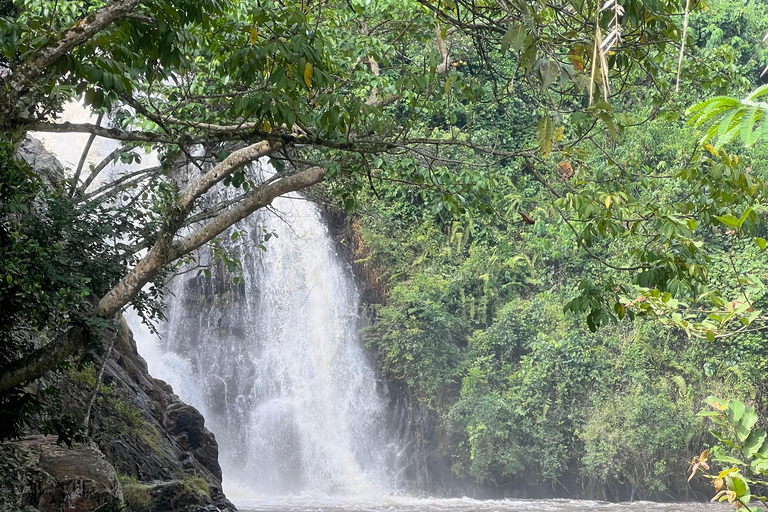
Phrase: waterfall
{"type": "Point", "coordinates": [272, 357]}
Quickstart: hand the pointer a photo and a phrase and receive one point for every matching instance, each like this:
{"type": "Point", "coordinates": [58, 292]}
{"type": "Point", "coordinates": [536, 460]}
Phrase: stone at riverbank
{"type": "Point", "coordinates": [55, 478]}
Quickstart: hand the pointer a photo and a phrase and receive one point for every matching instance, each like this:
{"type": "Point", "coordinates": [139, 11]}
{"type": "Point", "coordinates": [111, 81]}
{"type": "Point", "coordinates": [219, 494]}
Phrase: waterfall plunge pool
{"type": "Point", "coordinates": [315, 503]}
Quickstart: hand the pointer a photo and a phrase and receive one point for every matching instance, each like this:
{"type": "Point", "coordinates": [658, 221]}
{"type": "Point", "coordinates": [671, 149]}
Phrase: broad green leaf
{"type": "Point", "coordinates": [735, 410]}
{"type": "Point", "coordinates": [749, 419]}
{"type": "Point", "coordinates": [754, 442]}
{"type": "Point", "coordinates": [728, 459]}
{"type": "Point", "coordinates": [729, 220]}
{"type": "Point", "coordinates": [514, 38]}
{"type": "Point", "coordinates": [737, 484]}
{"type": "Point", "coordinates": [549, 71]}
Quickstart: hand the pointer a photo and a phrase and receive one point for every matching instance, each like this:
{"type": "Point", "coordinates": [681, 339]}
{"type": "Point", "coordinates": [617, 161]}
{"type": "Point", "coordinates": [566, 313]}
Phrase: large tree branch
{"type": "Point", "coordinates": [260, 199]}
{"type": "Point", "coordinates": [233, 162]}
{"type": "Point", "coordinates": [166, 251]}
{"type": "Point", "coordinates": [82, 31]}
{"type": "Point", "coordinates": [113, 133]}
{"type": "Point", "coordinates": [42, 360]}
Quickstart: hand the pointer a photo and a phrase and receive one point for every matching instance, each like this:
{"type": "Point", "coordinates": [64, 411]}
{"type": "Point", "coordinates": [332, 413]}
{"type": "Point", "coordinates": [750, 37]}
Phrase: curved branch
{"type": "Point", "coordinates": [166, 251]}
{"type": "Point", "coordinates": [83, 158]}
{"type": "Point", "coordinates": [79, 33]}
{"type": "Point", "coordinates": [263, 197]}
{"type": "Point", "coordinates": [100, 167]}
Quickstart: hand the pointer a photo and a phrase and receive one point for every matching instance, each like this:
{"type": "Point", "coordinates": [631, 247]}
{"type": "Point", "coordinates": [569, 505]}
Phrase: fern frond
{"type": "Point", "coordinates": [746, 118]}
{"type": "Point", "coordinates": [702, 111]}
{"type": "Point", "coordinates": [764, 127]}
{"type": "Point", "coordinates": [733, 128]}
{"type": "Point", "coordinates": [682, 386]}
{"type": "Point", "coordinates": [757, 93]}
{"type": "Point", "coordinates": [748, 126]}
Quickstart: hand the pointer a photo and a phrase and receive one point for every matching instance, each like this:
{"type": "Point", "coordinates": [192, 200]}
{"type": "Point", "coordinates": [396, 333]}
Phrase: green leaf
{"type": "Point", "coordinates": [549, 71]}
{"type": "Point", "coordinates": [754, 442]}
{"type": "Point", "coordinates": [728, 459]}
{"type": "Point", "coordinates": [735, 410]}
{"type": "Point", "coordinates": [729, 220]}
{"type": "Point", "coordinates": [514, 38]}
{"type": "Point", "coordinates": [738, 485]}
{"type": "Point", "coordinates": [749, 419]}
{"type": "Point", "coordinates": [761, 243]}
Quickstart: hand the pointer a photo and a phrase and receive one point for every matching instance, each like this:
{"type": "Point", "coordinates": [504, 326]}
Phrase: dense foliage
{"type": "Point", "coordinates": [487, 315]}
{"type": "Point", "coordinates": [526, 184]}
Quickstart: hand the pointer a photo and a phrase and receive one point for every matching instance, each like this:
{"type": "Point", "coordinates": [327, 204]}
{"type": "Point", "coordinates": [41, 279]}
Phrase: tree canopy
{"type": "Point", "coordinates": [542, 124]}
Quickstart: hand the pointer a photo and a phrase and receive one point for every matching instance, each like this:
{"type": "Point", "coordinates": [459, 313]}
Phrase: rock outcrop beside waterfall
{"type": "Point", "coordinates": [158, 444]}
{"type": "Point", "coordinates": [149, 450]}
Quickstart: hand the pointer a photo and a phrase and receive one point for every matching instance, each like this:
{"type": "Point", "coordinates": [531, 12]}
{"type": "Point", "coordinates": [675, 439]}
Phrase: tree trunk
{"type": "Point", "coordinates": [42, 360]}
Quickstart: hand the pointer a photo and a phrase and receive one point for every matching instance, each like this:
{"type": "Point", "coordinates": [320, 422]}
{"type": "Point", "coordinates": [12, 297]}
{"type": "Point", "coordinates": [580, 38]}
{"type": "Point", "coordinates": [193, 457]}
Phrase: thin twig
{"type": "Point", "coordinates": [83, 158]}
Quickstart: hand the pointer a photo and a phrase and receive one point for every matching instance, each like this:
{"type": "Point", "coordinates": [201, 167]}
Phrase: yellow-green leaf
{"type": "Point", "coordinates": [545, 131]}
{"type": "Point", "coordinates": [254, 35]}
{"type": "Point", "coordinates": [308, 70]}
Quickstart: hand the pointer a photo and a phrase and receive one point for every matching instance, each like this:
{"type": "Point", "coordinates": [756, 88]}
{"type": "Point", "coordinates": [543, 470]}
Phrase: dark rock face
{"type": "Point", "coordinates": [150, 451]}
{"type": "Point", "coordinates": [40, 160]}
{"type": "Point", "coordinates": [54, 478]}
{"type": "Point", "coordinates": [152, 437]}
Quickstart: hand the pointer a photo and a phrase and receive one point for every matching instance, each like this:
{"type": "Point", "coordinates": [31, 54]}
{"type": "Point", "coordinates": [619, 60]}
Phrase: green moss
{"type": "Point", "coordinates": [151, 436]}
{"type": "Point", "coordinates": [83, 377]}
{"type": "Point", "coordinates": [200, 484]}
{"type": "Point", "coordinates": [135, 495]}
{"type": "Point", "coordinates": [128, 413]}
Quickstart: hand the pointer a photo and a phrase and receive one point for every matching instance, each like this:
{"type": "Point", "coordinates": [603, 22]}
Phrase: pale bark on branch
{"type": "Point", "coordinates": [37, 63]}
{"type": "Point", "coordinates": [165, 250]}
{"type": "Point", "coordinates": [233, 162]}
{"type": "Point", "coordinates": [260, 199]}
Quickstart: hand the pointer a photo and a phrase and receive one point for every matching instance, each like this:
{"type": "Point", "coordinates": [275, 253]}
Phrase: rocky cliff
{"type": "Point", "coordinates": [149, 450]}
{"type": "Point", "coordinates": [157, 443]}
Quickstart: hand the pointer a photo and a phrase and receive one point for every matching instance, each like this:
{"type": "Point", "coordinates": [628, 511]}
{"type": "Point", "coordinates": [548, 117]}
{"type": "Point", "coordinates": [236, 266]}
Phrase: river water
{"type": "Point", "coordinates": [307, 503]}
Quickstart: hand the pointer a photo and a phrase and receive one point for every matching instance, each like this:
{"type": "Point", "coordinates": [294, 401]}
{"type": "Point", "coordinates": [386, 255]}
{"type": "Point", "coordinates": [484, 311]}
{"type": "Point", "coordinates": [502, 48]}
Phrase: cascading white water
{"type": "Point", "coordinates": [279, 371]}
{"type": "Point", "coordinates": [274, 363]}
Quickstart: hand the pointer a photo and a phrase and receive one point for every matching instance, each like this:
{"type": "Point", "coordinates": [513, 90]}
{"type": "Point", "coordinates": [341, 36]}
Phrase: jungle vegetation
{"type": "Point", "coordinates": [567, 234]}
